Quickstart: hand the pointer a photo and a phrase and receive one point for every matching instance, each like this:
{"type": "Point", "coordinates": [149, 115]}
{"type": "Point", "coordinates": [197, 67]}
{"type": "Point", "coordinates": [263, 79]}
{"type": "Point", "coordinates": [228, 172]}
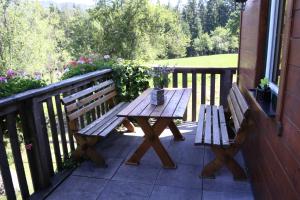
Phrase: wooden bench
{"type": "Point", "coordinates": [214, 130]}
{"type": "Point", "coordinates": [86, 107]}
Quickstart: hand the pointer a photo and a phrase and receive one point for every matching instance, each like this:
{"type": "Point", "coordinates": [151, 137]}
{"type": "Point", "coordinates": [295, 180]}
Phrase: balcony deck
{"type": "Point", "coordinates": [149, 180]}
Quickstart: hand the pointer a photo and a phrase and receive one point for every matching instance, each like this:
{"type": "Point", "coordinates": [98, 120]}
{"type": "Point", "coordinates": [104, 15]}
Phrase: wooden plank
{"type": "Point", "coordinates": [182, 105]}
{"type": "Point", "coordinates": [200, 128]}
{"type": "Point", "coordinates": [88, 99]}
{"type": "Point", "coordinates": [203, 88]}
{"type": "Point", "coordinates": [61, 126]}
{"type": "Point", "coordinates": [175, 80]}
{"type": "Point", "coordinates": [70, 135]}
{"type": "Point", "coordinates": [233, 114]}
{"type": "Point", "coordinates": [42, 138]}
{"type": "Point", "coordinates": [150, 108]}
{"type": "Point", "coordinates": [87, 91]}
{"type": "Point", "coordinates": [54, 132]}
{"type": "Point", "coordinates": [91, 106]}
{"type": "Point", "coordinates": [225, 85]}
{"type": "Point", "coordinates": [194, 96]}
{"type": "Point", "coordinates": [170, 108]}
{"type": "Point", "coordinates": [157, 112]}
{"type": "Point", "coordinates": [5, 171]}
{"type": "Point", "coordinates": [215, 126]}
{"type": "Point", "coordinates": [94, 126]}
{"type": "Point", "coordinates": [223, 127]}
{"type": "Point", "coordinates": [236, 107]}
{"type": "Point", "coordinates": [15, 147]}
{"type": "Point", "coordinates": [208, 127]}
{"type": "Point", "coordinates": [135, 103]}
{"type": "Point", "coordinates": [114, 123]}
{"type": "Point", "coordinates": [212, 89]}
{"type": "Point", "coordinates": [241, 99]}
{"type": "Point", "coordinates": [184, 85]}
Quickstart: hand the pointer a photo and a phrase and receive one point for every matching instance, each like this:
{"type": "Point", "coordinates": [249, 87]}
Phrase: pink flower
{"type": "Point", "coordinates": [10, 73]}
{"type": "Point", "coordinates": [3, 79]}
{"type": "Point", "coordinates": [28, 146]}
{"type": "Point", "coordinates": [73, 63]}
{"type": "Point", "coordinates": [37, 76]}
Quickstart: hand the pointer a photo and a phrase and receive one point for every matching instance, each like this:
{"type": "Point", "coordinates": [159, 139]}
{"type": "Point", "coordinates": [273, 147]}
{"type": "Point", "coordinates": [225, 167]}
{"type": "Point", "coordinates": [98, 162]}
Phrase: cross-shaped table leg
{"type": "Point", "coordinates": [151, 139]}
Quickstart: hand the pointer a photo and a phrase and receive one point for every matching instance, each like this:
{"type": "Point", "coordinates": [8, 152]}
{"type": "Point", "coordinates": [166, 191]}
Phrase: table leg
{"type": "Point", "coordinates": [176, 133]}
{"type": "Point", "coordinates": [151, 139]}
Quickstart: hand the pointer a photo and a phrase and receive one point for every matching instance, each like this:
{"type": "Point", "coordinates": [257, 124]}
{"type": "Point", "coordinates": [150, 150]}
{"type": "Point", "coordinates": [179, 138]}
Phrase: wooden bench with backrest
{"type": "Point", "coordinates": [84, 105]}
{"type": "Point", "coordinates": [214, 130]}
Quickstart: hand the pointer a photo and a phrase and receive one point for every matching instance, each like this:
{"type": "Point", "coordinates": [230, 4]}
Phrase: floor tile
{"type": "Point", "coordinates": [76, 187]}
{"type": "Point", "coordinates": [121, 190]}
{"type": "Point", "coordinates": [209, 195]}
{"type": "Point", "coordinates": [89, 169]}
{"type": "Point", "coordinates": [142, 173]}
{"type": "Point", "coordinates": [185, 176]}
{"type": "Point", "coordinates": [175, 193]}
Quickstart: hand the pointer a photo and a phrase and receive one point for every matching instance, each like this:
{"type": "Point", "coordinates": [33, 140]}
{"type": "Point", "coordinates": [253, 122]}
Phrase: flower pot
{"type": "Point", "coordinates": [157, 97]}
{"type": "Point", "coordinates": [263, 95]}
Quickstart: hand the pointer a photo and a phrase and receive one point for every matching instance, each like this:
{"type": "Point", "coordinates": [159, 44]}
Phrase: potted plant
{"type": "Point", "coordinates": [160, 79]}
{"type": "Point", "coordinates": [263, 91]}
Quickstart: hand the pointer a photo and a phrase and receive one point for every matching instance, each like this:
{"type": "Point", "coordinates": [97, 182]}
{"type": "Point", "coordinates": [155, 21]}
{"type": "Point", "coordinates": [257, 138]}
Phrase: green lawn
{"type": "Point", "coordinates": [221, 60]}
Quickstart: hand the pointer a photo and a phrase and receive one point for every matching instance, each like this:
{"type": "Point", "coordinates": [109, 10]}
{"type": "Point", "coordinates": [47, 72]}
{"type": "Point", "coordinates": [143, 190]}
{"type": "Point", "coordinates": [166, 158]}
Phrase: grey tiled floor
{"type": "Point", "coordinates": [149, 180]}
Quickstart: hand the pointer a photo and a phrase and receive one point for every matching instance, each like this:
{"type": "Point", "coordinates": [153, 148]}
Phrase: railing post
{"type": "Point", "coordinates": [36, 160]}
{"type": "Point", "coordinates": [225, 85]}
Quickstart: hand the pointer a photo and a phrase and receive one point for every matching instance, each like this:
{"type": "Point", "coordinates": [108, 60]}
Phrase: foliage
{"type": "Point", "coordinates": [14, 83]}
{"type": "Point", "coordinates": [85, 65]}
{"type": "Point", "coordinates": [203, 44]}
{"type": "Point", "coordinates": [264, 83]}
{"type": "Point", "coordinates": [130, 79]}
{"type": "Point", "coordinates": [136, 29]}
{"type": "Point", "coordinates": [160, 75]}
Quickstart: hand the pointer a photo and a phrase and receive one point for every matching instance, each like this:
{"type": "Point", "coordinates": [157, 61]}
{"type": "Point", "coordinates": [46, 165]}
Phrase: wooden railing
{"type": "Point", "coordinates": [209, 86]}
{"type": "Point", "coordinates": [39, 118]}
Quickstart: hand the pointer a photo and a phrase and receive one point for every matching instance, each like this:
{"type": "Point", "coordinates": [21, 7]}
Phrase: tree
{"type": "Point", "coordinates": [220, 40]}
{"type": "Point", "coordinates": [233, 24]}
{"type": "Point", "coordinates": [203, 44]}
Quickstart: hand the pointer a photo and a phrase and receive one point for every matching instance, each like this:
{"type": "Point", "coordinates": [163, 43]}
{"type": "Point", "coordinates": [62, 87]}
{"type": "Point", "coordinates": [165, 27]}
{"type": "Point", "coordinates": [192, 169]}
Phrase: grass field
{"type": "Point", "coordinates": [221, 60]}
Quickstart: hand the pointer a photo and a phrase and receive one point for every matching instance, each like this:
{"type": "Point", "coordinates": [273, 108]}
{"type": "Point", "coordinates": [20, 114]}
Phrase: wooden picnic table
{"type": "Point", "coordinates": [174, 107]}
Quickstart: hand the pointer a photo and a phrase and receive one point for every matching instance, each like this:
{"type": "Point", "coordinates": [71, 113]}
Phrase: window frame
{"type": "Point", "coordinates": [274, 41]}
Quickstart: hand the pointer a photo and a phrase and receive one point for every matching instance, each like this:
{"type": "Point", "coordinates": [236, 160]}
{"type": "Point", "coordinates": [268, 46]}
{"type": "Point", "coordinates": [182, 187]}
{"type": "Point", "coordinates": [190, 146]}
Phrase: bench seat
{"type": "Point", "coordinates": [213, 130]}
{"type": "Point", "coordinates": [106, 123]}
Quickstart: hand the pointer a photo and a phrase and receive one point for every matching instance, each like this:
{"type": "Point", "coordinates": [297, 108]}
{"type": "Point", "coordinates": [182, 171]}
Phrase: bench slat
{"type": "Point", "coordinates": [87, 91]}
{"type": "Point", "coordinates": [200, 127]}
{"type": "Point", "coordinates": [241, 99]}
{"type": "Point", "coordinates": [96, 125]}
{"type": "Point", "coordinates": [223, 128]}
{"type": "Point", "coordinates": [89, 99]}
{"type": "Point", "coordinates": [91, 106]}
{"type": "Point", "coordinates": [216, 128]}
{"type": "Point", "coordinates": [236, 107]}
{"type": "Point", "coordinates": [208, 132]}
{"type": "Point", "coordinates": [233, 114]}
{"type": "Point", "coordinates": [111, 126]}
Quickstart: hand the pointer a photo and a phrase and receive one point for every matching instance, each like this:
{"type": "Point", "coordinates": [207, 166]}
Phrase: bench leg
{"type": "Point", "coordinates": [224, 157]}
{"type": "Point", "coordinates": [130, 127]}
{"type": "Point", "coordinates": [86, 149]}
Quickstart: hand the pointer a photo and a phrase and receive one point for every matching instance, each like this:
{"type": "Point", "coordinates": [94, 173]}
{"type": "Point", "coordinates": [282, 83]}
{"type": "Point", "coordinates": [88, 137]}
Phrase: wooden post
{"type": "Point", "coordinates": [225, 85]}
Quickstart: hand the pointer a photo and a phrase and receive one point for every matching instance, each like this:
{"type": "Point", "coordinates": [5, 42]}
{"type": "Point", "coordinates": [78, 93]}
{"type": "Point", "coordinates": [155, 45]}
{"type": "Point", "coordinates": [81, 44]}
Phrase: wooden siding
{"type": "Point", "coordinates": [273, 161]}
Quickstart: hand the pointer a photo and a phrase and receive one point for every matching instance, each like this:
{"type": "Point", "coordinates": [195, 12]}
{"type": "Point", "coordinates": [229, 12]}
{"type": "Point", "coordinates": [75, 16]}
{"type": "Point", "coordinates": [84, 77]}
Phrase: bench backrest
{"type": "Point", "coordinates": [87, 100]}
{"type": "Point", "coordinates": [238, 107]}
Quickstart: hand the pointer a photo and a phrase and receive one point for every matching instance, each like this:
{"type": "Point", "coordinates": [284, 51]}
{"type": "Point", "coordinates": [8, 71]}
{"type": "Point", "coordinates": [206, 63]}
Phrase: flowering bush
{"type": "Point", "coordinates": [14, 82]}
{"type": "Point", "coordinates": [85, 65]}
{"type": "Point", "coordinates": [160, 75]}
{"type": "Point", "coordinates": [130, 77]}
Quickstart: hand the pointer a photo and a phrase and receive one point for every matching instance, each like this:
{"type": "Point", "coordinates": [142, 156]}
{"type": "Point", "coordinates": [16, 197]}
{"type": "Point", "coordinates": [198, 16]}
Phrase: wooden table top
{"type": "Point", "coordinates": [176, 101]}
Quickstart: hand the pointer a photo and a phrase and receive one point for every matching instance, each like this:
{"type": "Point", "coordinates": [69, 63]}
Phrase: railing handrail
{"type": "Point", "coordinates": [204, 70]}
{"type": "Point", "coordinates": [52, 87]}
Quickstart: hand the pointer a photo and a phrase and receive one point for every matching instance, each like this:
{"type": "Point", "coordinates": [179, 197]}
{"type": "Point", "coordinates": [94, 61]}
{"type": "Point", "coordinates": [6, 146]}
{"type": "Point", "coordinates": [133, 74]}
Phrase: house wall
{"type": "Point", "coordinates": [273, 161]}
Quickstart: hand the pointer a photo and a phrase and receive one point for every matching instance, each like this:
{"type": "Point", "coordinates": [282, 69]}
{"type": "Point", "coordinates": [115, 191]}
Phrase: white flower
{"type": "Point", "coordinates": [66, 70]}
{"type": "Point", "coordinates": [106, 57]}
{"type": "Point", "coordinates": [120, 60]}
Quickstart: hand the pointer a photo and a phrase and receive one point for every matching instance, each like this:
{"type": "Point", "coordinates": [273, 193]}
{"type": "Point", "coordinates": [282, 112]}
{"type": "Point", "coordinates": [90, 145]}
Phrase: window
{"type": "Point", "coordinates": [274, 46]}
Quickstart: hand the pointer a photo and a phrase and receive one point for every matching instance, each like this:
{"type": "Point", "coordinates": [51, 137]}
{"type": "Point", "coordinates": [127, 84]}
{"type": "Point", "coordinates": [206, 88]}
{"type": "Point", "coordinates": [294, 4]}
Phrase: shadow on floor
{"type": "Point", "coordinates": [149, 180]}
